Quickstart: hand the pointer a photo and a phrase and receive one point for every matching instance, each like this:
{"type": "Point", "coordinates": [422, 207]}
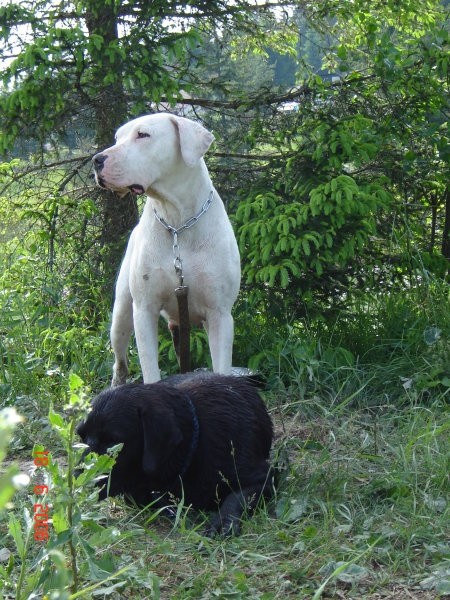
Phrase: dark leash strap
{"type": "Point", "coordinates": [184, 353]}
{"type": "Point", "coordinates": [182, 337]}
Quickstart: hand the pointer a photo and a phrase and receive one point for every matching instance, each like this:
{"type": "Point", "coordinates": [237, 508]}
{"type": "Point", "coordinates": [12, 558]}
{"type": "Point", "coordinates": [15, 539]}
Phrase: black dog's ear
{"type": "Point", "coordinates": [81, 429]}
{"type": "Point", "coordinates": [161, 435]}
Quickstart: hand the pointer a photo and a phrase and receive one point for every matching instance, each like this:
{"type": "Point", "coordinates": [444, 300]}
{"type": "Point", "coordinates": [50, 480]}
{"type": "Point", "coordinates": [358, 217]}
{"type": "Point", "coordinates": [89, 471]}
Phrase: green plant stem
{"type": "Point", "coordinates": [72, 546]}
{"type": "Point", "coordinates": [23, 566]}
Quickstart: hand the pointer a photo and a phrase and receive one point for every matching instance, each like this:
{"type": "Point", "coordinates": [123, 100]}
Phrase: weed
{"type": "Point", "coordinates": [78, 556]}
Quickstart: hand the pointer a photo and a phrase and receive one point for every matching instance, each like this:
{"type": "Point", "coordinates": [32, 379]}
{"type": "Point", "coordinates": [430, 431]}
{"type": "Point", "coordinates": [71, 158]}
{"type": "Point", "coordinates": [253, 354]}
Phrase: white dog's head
{"type": "Point", "coordinates": [147, 149]}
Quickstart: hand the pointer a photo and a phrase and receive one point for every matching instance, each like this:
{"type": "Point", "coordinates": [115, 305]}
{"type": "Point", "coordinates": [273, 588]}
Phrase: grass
{"type": "Point", "coordinates": [360, 407]}
{"type": "Point", "coordinates": [361, 511]}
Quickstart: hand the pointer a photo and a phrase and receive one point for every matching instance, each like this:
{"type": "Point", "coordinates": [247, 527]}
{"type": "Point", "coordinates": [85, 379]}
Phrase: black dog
{"type": "Point", "coordinates": [200, 436]}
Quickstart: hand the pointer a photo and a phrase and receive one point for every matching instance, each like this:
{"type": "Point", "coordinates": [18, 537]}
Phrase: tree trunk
{"type": "Point", "coordinates": [119, 215]}
{"type": "Point", "coordinates": [434, 203]}
{"type": "Point", "coordinates": [446, 231]}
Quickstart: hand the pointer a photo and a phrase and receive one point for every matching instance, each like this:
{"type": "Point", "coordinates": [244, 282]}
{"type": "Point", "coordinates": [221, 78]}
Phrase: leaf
{"type": "Point", "coordinates": [56, 420]}
{"type": "Point", "coordinates": [342, 52]}
{"type": "Point", "coordinates": [107, 591]}
{"type": "Point", "coordinates": [352, 573]}
{"type": "Point", "coordinates": [97, 40]}
{"type": "Point", "coordinates": [99, 568]}
{"type": "Point", "coordinates": [348, 194]}
{"type": "Point", "coordinates": [318, 266]}
{"type": "Point", "coordinates": [284, 277]}
{"type": "Point", "coordinates": [59, 521]}
{"type": "Point", "coordinates": [266, 252]}
{"type": "Point", "coordinates": [291, 509]}
{"type": "Point", "coordinates": [15, 531]}
{"type": "Point", "coordinates": [439, 580]}
{"type": "Point", "coordinates": [75, 382]}
{"type": "Point", "coordinates": [292, 266]}
{"type": "Point", "coordinates": [347, 572]}
{"type": "Point", "coordinates": [272, 275]}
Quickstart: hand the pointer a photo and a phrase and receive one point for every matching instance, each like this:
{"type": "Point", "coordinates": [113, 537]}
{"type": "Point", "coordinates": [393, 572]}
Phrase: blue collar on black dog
{"type": "Point", "coordinates": [195, 436]}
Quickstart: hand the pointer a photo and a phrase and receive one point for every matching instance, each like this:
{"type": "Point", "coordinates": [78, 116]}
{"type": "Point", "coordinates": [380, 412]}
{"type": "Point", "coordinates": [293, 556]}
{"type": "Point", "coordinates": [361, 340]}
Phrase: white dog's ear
{"type": "Point", "coordinates": [194, 140]}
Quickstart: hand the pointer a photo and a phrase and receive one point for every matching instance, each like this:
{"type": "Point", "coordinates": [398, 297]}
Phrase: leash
{"type": "Point", "coordinates": [181, 292]}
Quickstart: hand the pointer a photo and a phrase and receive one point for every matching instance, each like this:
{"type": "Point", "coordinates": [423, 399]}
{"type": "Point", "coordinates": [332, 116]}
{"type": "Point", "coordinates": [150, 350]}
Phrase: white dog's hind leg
{"type": "Point", "coordinates": [220, 329]}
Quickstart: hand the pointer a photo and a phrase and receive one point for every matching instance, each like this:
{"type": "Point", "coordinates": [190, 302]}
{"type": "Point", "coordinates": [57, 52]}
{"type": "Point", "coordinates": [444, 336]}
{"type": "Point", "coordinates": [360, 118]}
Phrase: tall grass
{"type": "Point", "coordinates": [383, 348]}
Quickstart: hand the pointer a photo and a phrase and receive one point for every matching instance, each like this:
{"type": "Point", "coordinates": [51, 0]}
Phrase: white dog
{"type": "Point", "coordinates": [161, 155]}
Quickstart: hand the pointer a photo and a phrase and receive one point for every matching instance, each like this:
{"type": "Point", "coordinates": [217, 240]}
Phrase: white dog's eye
{"type": "Point", "coordinates": [142, 134]}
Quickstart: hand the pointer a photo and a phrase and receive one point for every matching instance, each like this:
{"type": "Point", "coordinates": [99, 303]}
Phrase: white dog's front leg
{"type": "Point", "coordinates": [146, 332]}
{"type": "Point", "coordinates": [220, 329]}
{"type": "Point", "coordinates": [122, 319]}
{"type": "Point", "coordinates": [121, 326]}
{"type": "Point", "coordinates": [121, 330]}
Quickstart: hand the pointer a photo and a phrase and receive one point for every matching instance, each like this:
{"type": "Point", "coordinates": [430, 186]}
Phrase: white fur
{"type": "Point", "coordinates": [170, 168]}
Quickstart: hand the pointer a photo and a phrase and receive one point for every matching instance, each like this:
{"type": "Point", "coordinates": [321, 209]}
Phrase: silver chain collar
{"type": "Point", "coordinates": [177, 262]}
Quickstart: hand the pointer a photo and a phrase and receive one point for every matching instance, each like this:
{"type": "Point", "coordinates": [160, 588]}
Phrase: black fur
{"type": "Point", "coordinates": [225, 467]}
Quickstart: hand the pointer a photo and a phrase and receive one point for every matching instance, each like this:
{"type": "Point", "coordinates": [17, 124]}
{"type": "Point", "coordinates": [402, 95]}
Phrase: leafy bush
{"type": "Point", "coordinates": [320, 216]}
{"type": "Point", "coordinates": [381, 348]}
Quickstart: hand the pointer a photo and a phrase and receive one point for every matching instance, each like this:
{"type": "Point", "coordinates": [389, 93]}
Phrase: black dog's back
{"type": "Point", "coordinates": [231, 405]}
{"type": "Point", "coordinates": [235, 438]}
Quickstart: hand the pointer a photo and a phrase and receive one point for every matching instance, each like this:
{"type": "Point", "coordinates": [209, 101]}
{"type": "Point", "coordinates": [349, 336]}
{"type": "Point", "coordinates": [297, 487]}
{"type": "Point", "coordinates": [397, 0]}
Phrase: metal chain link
{"type": "Point", "coordinates": [177, 262]}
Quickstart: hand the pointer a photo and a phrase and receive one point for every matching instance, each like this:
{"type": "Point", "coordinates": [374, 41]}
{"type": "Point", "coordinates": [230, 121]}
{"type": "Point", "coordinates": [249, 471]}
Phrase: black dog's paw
{"type": "Point", "coordinates": [223, 526]}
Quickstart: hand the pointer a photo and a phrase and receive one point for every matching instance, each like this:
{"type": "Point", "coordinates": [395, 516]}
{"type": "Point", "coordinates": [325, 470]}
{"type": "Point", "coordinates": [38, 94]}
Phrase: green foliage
{"type": "Point", "coordinates": [356, 195]}
{"type": "Point", "coordinates": [50, 328]}
{"type": "Point", "coordinates": [77, 559]}
{"type": "Point", "coordinates": [380, 346]}
{"type": "Point", "coordinates": [358, 181]}
{"type": "Point", "coordinates": [322, 214]}
{"type": "Point", "coordinates": [9, 481]}
{"type": "Point", "coordinates": [366, 459]}
{"type": "Point", "coordinates": [100, 60]}
{"type": "Point", "coordinates": [299, 237]}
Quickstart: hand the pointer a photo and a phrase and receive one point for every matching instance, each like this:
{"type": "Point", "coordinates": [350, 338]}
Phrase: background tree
{"type": "Point", "coordinates": [85, 68]}
{"type": "Point", "coordinates": [355, 196]}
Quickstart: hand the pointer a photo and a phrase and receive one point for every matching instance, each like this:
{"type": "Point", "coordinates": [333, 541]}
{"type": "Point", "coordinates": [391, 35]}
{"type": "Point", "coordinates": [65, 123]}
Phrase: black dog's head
{"type": "Point", "coordinates": [105, 425]}
{"type": "Point", "coordinates": [141, 418]}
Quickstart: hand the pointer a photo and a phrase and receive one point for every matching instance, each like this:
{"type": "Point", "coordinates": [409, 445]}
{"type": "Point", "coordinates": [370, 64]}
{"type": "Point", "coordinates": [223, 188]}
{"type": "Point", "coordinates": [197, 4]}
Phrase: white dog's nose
{"type": "Point", "coordinates": [99, 160]}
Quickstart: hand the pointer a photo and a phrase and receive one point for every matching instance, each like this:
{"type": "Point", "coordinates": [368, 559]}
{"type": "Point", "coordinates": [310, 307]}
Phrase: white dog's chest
{"type": "Point", "coordinates": [153, 281]}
